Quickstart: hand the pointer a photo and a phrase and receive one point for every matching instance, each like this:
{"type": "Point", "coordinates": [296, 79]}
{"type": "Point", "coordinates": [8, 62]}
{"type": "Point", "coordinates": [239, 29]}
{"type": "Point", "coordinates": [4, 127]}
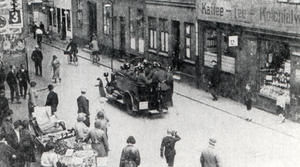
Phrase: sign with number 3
{"type": "Point", "coordinates": [15, 17]}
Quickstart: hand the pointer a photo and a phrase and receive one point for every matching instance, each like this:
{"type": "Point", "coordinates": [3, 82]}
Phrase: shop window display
{"type": "Point", "coordinates": [211, 51]}
{"type": "Point", "coordinates": [275, 70]}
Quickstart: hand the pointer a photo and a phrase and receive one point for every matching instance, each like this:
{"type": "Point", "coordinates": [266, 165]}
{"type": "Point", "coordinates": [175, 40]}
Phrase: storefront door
{"type": "Point", "coordinates": [122, 34]}
{"type": "Point", "coordinates": [92, 18]}
{"type": "Point", "coordinates": [176, 42]}
{"type": "Point", "coordinates": [58, 20]}
{"type": "Point", "coordinates": [295, 85]}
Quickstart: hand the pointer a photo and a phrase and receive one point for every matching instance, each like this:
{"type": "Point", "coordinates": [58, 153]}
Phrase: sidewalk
{"type": "Point", "coordinates": [260, 118]}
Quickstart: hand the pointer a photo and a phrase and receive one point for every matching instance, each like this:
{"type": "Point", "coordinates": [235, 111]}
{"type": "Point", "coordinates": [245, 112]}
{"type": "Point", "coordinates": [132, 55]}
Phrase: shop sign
{"type": "Point", "coordinates": [11, 22]}
{"type": "Point", "coordinates": [233, 41]}
{"type": "Point", "coordinates": [276, 16]}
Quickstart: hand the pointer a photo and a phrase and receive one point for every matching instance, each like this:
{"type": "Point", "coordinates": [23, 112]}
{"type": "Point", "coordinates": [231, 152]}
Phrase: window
{"type": "Point", "coordinates": [140, 27]}
{"type": "Point", "coordinates": [132, 28]}
{"type": "Point", "coordinates": [210, 46]}
{"type": "Point", "coordinates": [152, 33]}
{"type": "Point", "coordinates": [228, 56]}
{"type": "Point", "coordinates": [68, 20]}
{"type": "Point", "coordinates": [106, 18]}
{"type": "Point", "coordinates": [50, 17]}
{"type": "Point", "coordinates": [54, 17]}
{"type": "Point", "coordinates": [164, 35]}
{"type": "Point", "coordinates": [188, 41]}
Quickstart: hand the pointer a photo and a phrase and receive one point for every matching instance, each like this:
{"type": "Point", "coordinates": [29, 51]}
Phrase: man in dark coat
{"type": "Point", "coordinates": [52, 99]}
{"type": "Point", "coordinates": [2, 78]}
{"type": "Point", "coordinates": [83, 107]}
{"type": "Point", "coordinates": [4, 107]}
{"type": "Point", "coordinates": [37, 57]}
{"type": "Point", "coordinates": [209, 157]}
{"type": "Point", "coordinates": [42, 27]}
{"type": "Point", "coordinates": [73, 48]}
{"type": "Point", "coordinates": [214, 80]}
{"type": "Point", "coordinates": [167, 147]}
{"type": "Point", "coordinates": [12, 82]}
{"type": "Point", "coordinates": [23, 77]}
{"type": "Point", "coordinates": [7, 153]}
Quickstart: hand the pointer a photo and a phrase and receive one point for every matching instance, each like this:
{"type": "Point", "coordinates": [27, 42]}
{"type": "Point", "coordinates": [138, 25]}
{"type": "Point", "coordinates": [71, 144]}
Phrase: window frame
{"type": "Point", "coordinates": [188, 37]}
{"type": "Point", "coordinates": [164, 36]}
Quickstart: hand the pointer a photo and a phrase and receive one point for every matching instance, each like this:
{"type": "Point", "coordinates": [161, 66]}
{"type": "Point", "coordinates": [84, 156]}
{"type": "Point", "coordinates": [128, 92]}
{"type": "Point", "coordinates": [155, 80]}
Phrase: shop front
{"type": "Point", "coordinates": [254, 44]}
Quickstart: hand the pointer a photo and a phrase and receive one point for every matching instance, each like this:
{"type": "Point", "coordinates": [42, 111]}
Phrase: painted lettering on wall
{"type": "Point", "coordinates": [284, 16]}
{"type": "Point", "coordinates": [212, 9]}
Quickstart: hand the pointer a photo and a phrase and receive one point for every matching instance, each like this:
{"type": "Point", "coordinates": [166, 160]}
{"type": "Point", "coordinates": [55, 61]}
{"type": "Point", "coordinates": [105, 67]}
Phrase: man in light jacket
{"type": "Point", "coordinates": [209, 157]}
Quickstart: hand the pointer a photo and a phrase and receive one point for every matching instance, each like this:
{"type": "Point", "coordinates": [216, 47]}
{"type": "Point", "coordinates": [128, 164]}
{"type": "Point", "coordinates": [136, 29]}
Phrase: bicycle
{"type": "Point", "coordinates": [95, 57]}
{"type": "Point", "coordinates": [72, 57]}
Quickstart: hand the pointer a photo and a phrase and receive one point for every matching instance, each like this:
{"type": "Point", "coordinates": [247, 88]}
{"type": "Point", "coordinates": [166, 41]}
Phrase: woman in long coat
{"type": "Point", "coordinates": [99, 140]}
{"type": "Point", "coordinates": [56, 69]}
{"type": "Point", "coordinates": [130, 156]}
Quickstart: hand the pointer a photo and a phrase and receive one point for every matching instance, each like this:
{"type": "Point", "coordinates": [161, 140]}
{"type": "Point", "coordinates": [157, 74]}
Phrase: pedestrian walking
{"type": "Point", "coordinates": [170, 83]}
{"type": "Point", "coordinates": [248, 102]}
{"type": "Point", "coordinates": [101, 88]}
{"type": "Point", "coordinates": [167, 147]}
{"type": "Point", "coordinates": [52, 99]}
{"type": "Point", "coordinates": [103, 121]}
{"type": "Point", "coordinates": [39, 36]}
{"type": "Point", "coordinates": [214, 80]}
{"type": "Point", "coordinates": [32, 98]}
{"type": "Point", "coordinates": [27, 144]}
{"type": "Point", "coordinates": [209, 157]}
{"type": "Point", "coordinates": [81, 130]}
{"type": "Point", "coordinates": [4, 106]}
{"type": "Point", "coordinates": [7, 153]}
{"type": "Point", "coordinates": [2, 78]}
{"type": "Point", "coordinates": [56, 69]}
{"type": "Point", "coordinates": [12, 82]}
{"type": "Point", "coordinates": [42, 27]}
{"type": "Point", "coordinates": [34, 27]}
{"type": "Point", "coordinates": [83, 106]}
{"type": "Point", "coordinates": [23, 78]}
{"type": "Point", "coordinates": [99, 140]}
{"type": "Point", "coordinates": [130, 156]}
{"type": "Point", "coordinates": [37, 58]}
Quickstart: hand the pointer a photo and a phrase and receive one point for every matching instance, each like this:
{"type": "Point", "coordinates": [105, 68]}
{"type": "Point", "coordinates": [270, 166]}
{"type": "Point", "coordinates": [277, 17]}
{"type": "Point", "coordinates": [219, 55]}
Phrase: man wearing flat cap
{"type": "Point", "coordinates": [37, 58]}
{"type": "Point", "coordinates": [214, 80]}
{"type": "Point", "coordinates": [83, 106]}
{"type": "Point", "coordinates": [52, 99]}
{"type": "Point", "coordinates": [209, 156]}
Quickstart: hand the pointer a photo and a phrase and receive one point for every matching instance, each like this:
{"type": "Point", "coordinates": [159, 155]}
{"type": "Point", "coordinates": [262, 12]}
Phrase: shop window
{"type": "Point", "coordinates": [141, 29]}
{"type": "Point", "coordinates": [227, 55]}
{"type": "Point", "coordinates": [188, 41]}
{"type": "Point", "coordinates": [68, 20]}
{"type": "Point", "coordinates": [152, 33]}
{"type": "Point", "coordinates": [210, 46]}
{"type": "Point", "coordinates": [132, 28]}
{"type": "Point", "coordinates": [275, 70]}
{"type": "Point", "coordinates": [106, 19]}
{"type": "Point", "coordinates": [164, 35]}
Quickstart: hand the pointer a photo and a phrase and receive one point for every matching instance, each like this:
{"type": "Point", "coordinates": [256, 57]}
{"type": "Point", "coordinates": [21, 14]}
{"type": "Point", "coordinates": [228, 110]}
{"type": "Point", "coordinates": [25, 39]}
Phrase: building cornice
{"type": "Point", "coordinates": [171, 3]}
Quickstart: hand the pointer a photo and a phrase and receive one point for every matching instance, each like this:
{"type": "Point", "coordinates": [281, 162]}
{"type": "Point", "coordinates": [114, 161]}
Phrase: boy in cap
{"type": "Point", "coordinates": [37, 58]}
{"type": "Point", "coordinates": [52, 99]}
{"type": "Point", "coordinates": [83, 106]}
{"type": "Point", "coordinates": [209, 157]}
{"type": "Point", "coordinates": [214, 80]}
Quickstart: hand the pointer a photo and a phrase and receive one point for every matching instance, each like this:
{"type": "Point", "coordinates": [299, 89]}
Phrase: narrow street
{"type": "Point", "coordinates": [240, 143]}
